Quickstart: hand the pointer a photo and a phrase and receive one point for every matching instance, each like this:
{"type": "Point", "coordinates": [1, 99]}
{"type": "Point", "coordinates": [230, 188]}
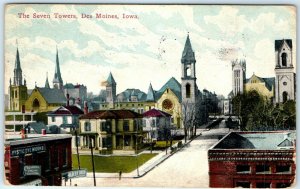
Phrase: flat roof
{"type": "Point", "coordinates": [269, 140]}
{"type": "Point", "coordinates": [33, 138]}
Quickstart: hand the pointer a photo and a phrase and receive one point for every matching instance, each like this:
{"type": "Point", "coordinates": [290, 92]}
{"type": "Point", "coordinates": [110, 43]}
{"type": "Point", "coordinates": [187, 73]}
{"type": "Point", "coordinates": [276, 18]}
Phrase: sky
{"type": "Point", "coordinates": [147, 48]}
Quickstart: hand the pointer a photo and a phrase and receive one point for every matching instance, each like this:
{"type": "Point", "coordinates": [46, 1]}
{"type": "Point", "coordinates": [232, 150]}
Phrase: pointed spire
{"type": "Point", "coordinates": [57, 80]}
{"type": "Point", "coordinates": [150, 94]}
{"type": "Point", "coordinates": [17, 70]}
{"type": "Point", "coordinates": [47, 82]}
{"type": "Point", "coordinates": [188, 55]}
{"type": "Point", "coordinates": [110, 79]}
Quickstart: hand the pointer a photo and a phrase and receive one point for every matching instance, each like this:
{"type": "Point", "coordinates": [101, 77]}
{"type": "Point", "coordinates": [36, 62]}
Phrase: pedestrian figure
{"type": "Point", "coordinates": [120, 175]}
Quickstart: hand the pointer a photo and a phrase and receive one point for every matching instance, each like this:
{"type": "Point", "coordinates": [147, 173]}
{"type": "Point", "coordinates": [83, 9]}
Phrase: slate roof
{"type": "Point", "coordinates": [37, 127]}
{"type": "Point", "coordinates": [156, 113]}
{"type": "Point", "coordinates": [68, 86]}
{"type": "Point", "coordinates": [111, 114]}
{"type": "Point", "coordinates": [150, 95]}
{"type": "Point", "coordinates": [53, 96]}
{"type": "Point", "coordinates": [135, 92]}
{"type": "Point", "coordinates": [67, 110]}
{"type": "Point", "coordinates": [172, 84]}
{"type": "Point", "coordinates": [110, 80]}
{"type": "Point", "coordinates": [256, 140]}
{"type": "Point", "coordinates": [269, 81]}
{"type": "Point", "coordinates": [188, 55]}
{"type": "Point", "coordinates": [279, 43]}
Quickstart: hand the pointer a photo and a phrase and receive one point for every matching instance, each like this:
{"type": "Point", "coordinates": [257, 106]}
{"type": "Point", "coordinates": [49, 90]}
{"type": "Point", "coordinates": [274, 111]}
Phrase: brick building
{"type": "Point", "coordinates": [253, 160]}
{"type": "Point", "coordinates": [52, 153]}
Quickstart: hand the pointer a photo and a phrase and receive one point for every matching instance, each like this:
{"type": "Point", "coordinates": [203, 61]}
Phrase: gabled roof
{"type": "Point", "coordinates": [156, 113]}
{"type": "Point", "coordinates": [67, 110]}
{"type": "Point", "coordinates": [279, 43]}
{"type": "Point", "coordinates": [37, 127]}
{"type": "Point", "coordinates": [53, 96]}
{"type": "Point", "coordinates": [69, 86]}
{"type": "Point", "coordinates": [286, 143]}
{"type": "Point", "coordinates": [172, 84]}
{"type": "Point", "coordinates": [111, 114]}
{"type": "Point", "coordinates": [269, 81]}
{"type": "Point", "coordinates": [132, 92]}
{"type": "Point", "coordinates": [269, 140]}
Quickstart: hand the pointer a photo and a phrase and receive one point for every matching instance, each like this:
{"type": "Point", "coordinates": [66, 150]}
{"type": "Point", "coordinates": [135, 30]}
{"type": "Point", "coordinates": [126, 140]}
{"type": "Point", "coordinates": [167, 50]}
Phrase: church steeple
{"type": "Point", "coordinates": [111, 89]}
{"type": "Point", "coordinates": [188, 55]}
{"type": "Point", "coordinates": [150, 94]}
{"type": "Point", "coordinates": [47, 82]}
{"type": "Point", "coordinates": [57, 80]}
{"type": "Point", "coordinates": [188, 74]}
{"type": "Point", "coordinates": [17, 70]}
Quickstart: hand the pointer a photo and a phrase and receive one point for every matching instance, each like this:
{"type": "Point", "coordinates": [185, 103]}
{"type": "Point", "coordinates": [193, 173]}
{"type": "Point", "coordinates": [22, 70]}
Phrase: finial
{"type": "Point", "coordinates": [35, 84]}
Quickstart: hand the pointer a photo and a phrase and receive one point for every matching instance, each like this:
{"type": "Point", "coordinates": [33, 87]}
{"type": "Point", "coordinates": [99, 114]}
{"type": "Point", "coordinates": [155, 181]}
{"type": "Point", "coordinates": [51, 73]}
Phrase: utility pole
{"type": "Point", "coordinates": [77, 149]}
{"type": "Point", "coordinates": [136, 149]}
{"type": "Point", "coordinates": [91, 146]}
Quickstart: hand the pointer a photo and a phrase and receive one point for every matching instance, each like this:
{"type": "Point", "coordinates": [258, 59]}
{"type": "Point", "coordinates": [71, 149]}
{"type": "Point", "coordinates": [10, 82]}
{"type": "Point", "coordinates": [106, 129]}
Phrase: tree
{"type": "Point", "coordinates": [256, 112]}
{"type": "Point", "coordinates": [245, 105]}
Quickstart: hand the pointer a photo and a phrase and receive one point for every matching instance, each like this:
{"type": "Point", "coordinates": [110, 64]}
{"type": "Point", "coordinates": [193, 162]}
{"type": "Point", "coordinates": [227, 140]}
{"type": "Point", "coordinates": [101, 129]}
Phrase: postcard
{"type": "Point", "coordinates": [124, 95]}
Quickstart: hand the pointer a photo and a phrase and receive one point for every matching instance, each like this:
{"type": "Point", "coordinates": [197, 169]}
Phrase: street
{"type": "Point", "coordinates": [186, 168]}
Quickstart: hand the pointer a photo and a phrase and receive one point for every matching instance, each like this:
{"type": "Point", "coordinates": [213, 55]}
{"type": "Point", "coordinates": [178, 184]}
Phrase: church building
{"type": "Point", "coordinates": [17, 89]}
{"type": "Point", "coordinates": [169, 98]}
{"type": "Point", "coordinates": [278, 89]}
{"type": "Point", "coordinates": [39, 99]}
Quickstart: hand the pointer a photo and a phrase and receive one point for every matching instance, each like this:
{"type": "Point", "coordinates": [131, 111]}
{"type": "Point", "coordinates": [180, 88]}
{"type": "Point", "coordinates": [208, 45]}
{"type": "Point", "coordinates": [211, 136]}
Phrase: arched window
{"type": "Point", "coordinates": [35, 104]}
{"type": "Point", "coordinates": [188, 90]}
{"type": "Point", "coordinates": [283, 59]}
{"type": "Point", "coordinates": [188, 71]}
{"type": "Point", "coordinates": [284, 96]}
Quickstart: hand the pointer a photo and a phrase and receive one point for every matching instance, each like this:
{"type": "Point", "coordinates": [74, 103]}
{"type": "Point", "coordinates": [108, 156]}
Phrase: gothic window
{"type": "Point", "coordinates": [284, 96]}
{"type": "Point", "coordinates": [35, 104]}
{"type": "Point", "coordinates": [283, 59]}
{"type": "Point", "coordinates": [16, 94]}
{"type": "Point", "coordinates": [188, 90]}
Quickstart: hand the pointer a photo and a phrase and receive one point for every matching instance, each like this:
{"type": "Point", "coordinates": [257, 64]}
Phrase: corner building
{"type": "Point", "coordinates": [253, 160]}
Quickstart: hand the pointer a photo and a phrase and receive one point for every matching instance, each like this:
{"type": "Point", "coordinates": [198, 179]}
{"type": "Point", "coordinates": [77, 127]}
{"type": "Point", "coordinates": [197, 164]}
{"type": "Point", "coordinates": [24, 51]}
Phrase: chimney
{"type": "Point", "coordinates": [23, 133]}
{"type": "Point", "coordinates": [68, 98]}
{"type": "Point", "coordinates": [85, 109]}
{"type": "Point", "coordinates": [43, 131]}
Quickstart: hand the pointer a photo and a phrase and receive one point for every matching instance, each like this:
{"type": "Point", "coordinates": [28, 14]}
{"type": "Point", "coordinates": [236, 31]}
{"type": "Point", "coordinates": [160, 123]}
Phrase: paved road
{"type": "Point", "coordinates": [186, 168]}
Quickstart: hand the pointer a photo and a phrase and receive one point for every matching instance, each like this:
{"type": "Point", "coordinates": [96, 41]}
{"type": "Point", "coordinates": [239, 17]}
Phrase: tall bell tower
{"type": "Point", "coordinates": [284, 70]}
{"type": "Point", "coordinates": [188, 74]}
{"type": "Point", "coordinates": [17, 89]}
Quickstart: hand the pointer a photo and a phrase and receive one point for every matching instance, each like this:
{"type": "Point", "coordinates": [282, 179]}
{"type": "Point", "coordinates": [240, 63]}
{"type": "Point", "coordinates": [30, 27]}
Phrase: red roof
{"type": "Point", "coordinates": [67, 110]}
{"type": "Point", "coordinates": [156, 113]}
{"type": "Point", "coordinates": [111, 114]}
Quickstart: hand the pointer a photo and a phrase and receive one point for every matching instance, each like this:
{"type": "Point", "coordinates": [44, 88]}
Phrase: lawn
{"type": "Point", "coordinates": [162, 144]}
{"type": "Point", "coordinates": [111, 164]}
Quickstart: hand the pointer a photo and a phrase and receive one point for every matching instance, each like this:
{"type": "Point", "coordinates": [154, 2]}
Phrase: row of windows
{"type": "Point", "coordinates": [247, 184]}
{"type": "Point", "coordinates": [107, 126]}
{"type": "Point", "coordinates": [263, 169]}
{"type": "Point", "coordinates": [65, 119]}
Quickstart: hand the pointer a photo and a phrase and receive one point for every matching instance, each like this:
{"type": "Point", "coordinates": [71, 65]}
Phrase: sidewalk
{"type": "Point", "coordinates": [153, 162]}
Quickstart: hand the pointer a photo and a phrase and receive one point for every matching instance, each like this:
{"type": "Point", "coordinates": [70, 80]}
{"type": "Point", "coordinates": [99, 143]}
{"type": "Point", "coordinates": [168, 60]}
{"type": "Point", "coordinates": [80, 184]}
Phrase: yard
{"type": "Point", "coordinates": [111, 164]}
